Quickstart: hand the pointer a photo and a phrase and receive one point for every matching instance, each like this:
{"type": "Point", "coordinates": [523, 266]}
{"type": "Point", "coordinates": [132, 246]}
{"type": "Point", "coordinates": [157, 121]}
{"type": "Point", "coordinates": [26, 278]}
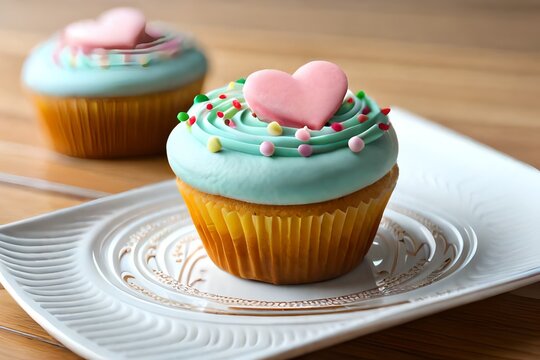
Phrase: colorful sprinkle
{"type": "Point", "coordinates": [222, 96]}
{"type": "Point", "coordinates": [384, 126]}
{"type": "Point", "coordinates": [230, 123]}
{"type": "Point", "coordinates": [337, 126]}
{"type": "Point", "coordinates": [274, 129]}
{"type": "Point", "coordinates": [302, 134]}
{"type": "Point", "coordinates": [361, 94]}
{"type": "Point", "coordinates": [362, 118]}
{"type": "Point", "coordinates": [267, 148]}
{"type": "Point", "coordinates": [350, 100]}
{"type": "Point", "coordinates": [356, 144]}
{"type": "Point", "coordinates": [236, 104]}
{"type": "Point", "coordinates": [219, 114]}
{"type": "Point", "coordinates": [182, 116]}
{"type": "Point", "coordinates": [209, 106]}
{"type": "Point", "coordinates": [231, 85]}
{"type": "Point", "coordinates": [385, 111]}
{"type": "Point", "coordinates": [192, 120]}
{"type": "Point", "coordinates": [305, 150]}
{"type": "Point", "coordinates": [200, 98]}
{"type": "Point", "coordinates": [213, 144]}
{"type": "Point", "coordinates": [254, 115]}
{"type": "Point", "coordinates": [241, 81]}
{"type": "Point", "coordinates": [366, 110]}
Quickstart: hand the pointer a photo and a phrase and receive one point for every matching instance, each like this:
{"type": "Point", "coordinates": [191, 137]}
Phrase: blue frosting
{"type": "Point", "coordinates": [41, 74]}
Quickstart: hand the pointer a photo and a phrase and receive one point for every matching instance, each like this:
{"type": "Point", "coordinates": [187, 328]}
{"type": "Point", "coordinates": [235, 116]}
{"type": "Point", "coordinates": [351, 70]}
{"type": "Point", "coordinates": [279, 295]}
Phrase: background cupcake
{"type": "Point", "coordinates": [111, 87]}
{"type": "Point", "coordinates": [286, 177]}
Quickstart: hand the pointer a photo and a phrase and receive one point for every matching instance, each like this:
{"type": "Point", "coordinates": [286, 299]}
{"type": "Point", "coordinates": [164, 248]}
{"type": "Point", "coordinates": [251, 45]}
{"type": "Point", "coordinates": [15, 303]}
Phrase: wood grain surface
{"type": "Point", "coordinates": [473, 66]}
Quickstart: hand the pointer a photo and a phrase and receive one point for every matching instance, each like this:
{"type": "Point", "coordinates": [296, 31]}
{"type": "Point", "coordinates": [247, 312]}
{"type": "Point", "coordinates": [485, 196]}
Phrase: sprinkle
{"type": "Point", "coordinates": [209, 106]}
{"type": "Point", "coordinates": [366, 110]}
{"type": "Point", "coordinates": [356, 144]}
{"type": "Point", "coordinates": [222, 96]}
{"type": "Point", "coordinates": [192, 120]}
{"type": "Point", "coordinates": [350, 100]}
{"type": "Point", "coordinates": [231, 85]}
{"type": "Point", "coordinates": [384, 126]}
{"type": "Point", "coordinates": [302, 134]}
{"type": "Point", "coordinates": [241, 81]}
{"type": "Point", "coordinates": [267, 148]}
{"type": "Point", "coordinates": [236, 104]}
{"type": "Point", "coordinates": [213, 144]}
{"type": "Point", "coordinates": [182, 116]}
{"type": "Point", "coordinates": [219, 114]}
{"type": "Point", "coordinates": [362, 118]}
{"type": "Point", "coordinates": [361, 94]}
{"type": "Point", "coordinates": [385, 111]}
{"type": "Point", "coordinates": [200, 98]}
{"type": "Point", "coordinates": [274, 129]}
{"type": "Point", "coordinates": [336, 126]}
{"type": "Point", "coordinates": [305, 150]}
{"type": "Point", "coordinates": [254, 115]}
{"type": "Point", "coordinates": [230, 123]}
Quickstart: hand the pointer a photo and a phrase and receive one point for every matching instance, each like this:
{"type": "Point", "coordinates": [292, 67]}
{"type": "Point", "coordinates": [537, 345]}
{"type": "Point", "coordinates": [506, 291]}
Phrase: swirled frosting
{"type": "Point", "coordinates": [221, 147]}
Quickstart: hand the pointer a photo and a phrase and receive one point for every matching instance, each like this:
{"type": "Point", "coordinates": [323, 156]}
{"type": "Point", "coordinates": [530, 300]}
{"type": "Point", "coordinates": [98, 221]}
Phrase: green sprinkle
{"type": "Point", "coordinates": [182, 116]}
{"type": "Point", "coordinates": [361, 94]}
{"type": "Point", "coordinates": [200, 98]}
{"type": "Point", "coordinates": [241, 81]}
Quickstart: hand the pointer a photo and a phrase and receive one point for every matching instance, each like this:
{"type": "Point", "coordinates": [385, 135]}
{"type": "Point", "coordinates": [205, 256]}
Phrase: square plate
{"type": "Point", "coordinates": [126, 276]}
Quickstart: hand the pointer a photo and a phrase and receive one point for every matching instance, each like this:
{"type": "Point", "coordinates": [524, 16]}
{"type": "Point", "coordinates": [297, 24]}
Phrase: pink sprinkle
{"type": "Point", "coordinates": [384, 126]}
{"type": "Point", "coordinates": [305, 150]}
{"type": "Point", "coordinates": [362, 118]}
{"type": "Point", "coordinates": [230, 123]}
{"type": "Point", "coordinates": [337, 126]}
{"type": "Point", "coordinates": [222, 96]}
{"type": "Point", "coordinates": [209, 106]}
{"type": "Point", "coordinates": [356, 144]}
{"type": "Point", "coordinates": [302, 134]}
{"type": "Point", "coordinates": [366, 110]}
{"type": "Point", "coordinates": [267, 148]}
{"type": "Point", "coordinates": [237, 104]}
{"type": "Point", "coordinates": [192, 120]}
{"type": "Point", "coordinates": [219, 114]}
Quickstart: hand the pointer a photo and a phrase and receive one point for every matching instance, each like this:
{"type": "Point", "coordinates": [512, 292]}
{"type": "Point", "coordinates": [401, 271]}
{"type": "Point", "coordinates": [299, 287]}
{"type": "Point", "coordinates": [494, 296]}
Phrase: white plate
{"type": "Point", "coordinates": [126, 276]}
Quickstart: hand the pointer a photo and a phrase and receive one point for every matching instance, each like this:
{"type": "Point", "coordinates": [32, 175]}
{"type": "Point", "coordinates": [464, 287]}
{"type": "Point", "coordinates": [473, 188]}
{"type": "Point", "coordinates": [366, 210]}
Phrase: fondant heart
{"type": "Point", "coordinates": [309, 97]}
{"type": "Point", "coordinates": [119, 28]}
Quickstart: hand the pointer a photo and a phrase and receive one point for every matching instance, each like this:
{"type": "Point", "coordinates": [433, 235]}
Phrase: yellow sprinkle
{"type": "Point", "coordinates": [213, 144]}
{"type": "Point", "coordinates": [274, 129]}
{"type": "Point", "coordinates": [231, 85]}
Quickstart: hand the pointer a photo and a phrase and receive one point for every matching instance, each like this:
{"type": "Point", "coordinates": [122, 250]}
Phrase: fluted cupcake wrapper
{"type": "Point", "coordinates": [112, 127]}
{"type": "Point", "coordinates": [285, 249]}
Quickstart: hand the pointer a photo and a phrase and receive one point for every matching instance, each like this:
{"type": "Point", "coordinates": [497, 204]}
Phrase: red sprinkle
{"type": "Point", "coordinates": [209, 106]}
{"type": "Point", "coordinates": [384, 126]}
{"type": "Point", "coordinates": [385, 111]}
{"type": "Point", "coordinates": [237, 104]}
{"type": "Point", "coordinates": [222, 96]}
{"type": "Point", "coordinates": [192, 120]}
{"type": "Point", "coordinates": [366, 110]}
{"type": "Point", "coordinates": [254, 115]}
{"type": "Point", "coordinates": [362, 118]}
{"type": "Point", "coordinates": [350, 100]}
{"type": "Point", "coordinates": [230, 123]}
{"type": "Point", "coordinates": [219, 114]}
{"type": "Point", "coordinates": [337, 126]}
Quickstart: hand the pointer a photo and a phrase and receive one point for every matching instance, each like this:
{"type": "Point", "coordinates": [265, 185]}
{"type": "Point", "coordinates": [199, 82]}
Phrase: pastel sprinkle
{"type": "Point", "coordinates": [305, 150]}
{"type": "Point", "coordinates": [222, 96]}
{"type": "Point", "coordinates": [361, 94]}
{"type": "Point", "coordinates": [230, 123]}
{"type": "Point", "coordinates": [219, 114]}
{"type": "Point", "coordinates": [356, 144]}
{"type": "Point", "coordinates": [267, 148]}
{"type": "Point", "coordinates": [200, 98]}
{"type": "Point", "coordinates": [237, 104]}
{"type": "Point", "coordinates": [384, 126]}
{"type": "Point", "coordinates": [241, 81]}
{"type": "Point", "coordinates": [385, 111]}
{"type": "Point", "coordinates": [362, 118]}
{"type": "Point", "coordinates": [302, 134]}
{"type": "Point", "coordinates": [192, 120]}
{"type": "Point", "coordinates": [231, 85]}
{"type": "Point", "coordinates": [182, 116]}
{"type": "Point", "coordinates": [209, 106]}
{"type": "Point", "coordinates": [274, 129]}
{"type": "Point", "coordinates": [366, 110]}
{"type": "Point", "coordinates": [336, 126]}
{"type": "Point", "coordinates": [213, 144]}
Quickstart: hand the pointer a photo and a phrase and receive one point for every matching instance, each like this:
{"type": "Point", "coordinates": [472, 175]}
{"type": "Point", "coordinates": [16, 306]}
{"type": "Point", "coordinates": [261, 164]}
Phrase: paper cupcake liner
{"type": "Point", "coordinates": [254, 242]}
{"type": "Point", "coordinates": [114, 126]}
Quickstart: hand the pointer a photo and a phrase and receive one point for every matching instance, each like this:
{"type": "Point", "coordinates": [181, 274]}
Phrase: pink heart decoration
{"type": "Point", "coordinates": [119, 28]}
{"type": "Point", "coordinates": [309, 97]}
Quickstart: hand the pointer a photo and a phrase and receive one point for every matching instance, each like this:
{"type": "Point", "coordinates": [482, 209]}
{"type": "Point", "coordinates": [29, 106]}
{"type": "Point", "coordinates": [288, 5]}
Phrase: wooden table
{"type": "Point", "coordinates": [473, 66]}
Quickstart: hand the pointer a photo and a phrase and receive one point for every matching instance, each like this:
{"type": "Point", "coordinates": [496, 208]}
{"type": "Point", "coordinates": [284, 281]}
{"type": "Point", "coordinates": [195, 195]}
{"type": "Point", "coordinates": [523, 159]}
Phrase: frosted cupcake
{"type": "Point", "coordinates": [112, 87]}
{"type": "Point", "coordinates": [285, 177]}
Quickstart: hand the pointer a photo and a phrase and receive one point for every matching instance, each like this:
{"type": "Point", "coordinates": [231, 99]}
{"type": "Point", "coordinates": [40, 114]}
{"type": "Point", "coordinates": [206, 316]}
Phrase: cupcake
{"type": "Point", "coordinates": [286, 177]}
{"type": "Point", "coordinates": [111, 87]}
